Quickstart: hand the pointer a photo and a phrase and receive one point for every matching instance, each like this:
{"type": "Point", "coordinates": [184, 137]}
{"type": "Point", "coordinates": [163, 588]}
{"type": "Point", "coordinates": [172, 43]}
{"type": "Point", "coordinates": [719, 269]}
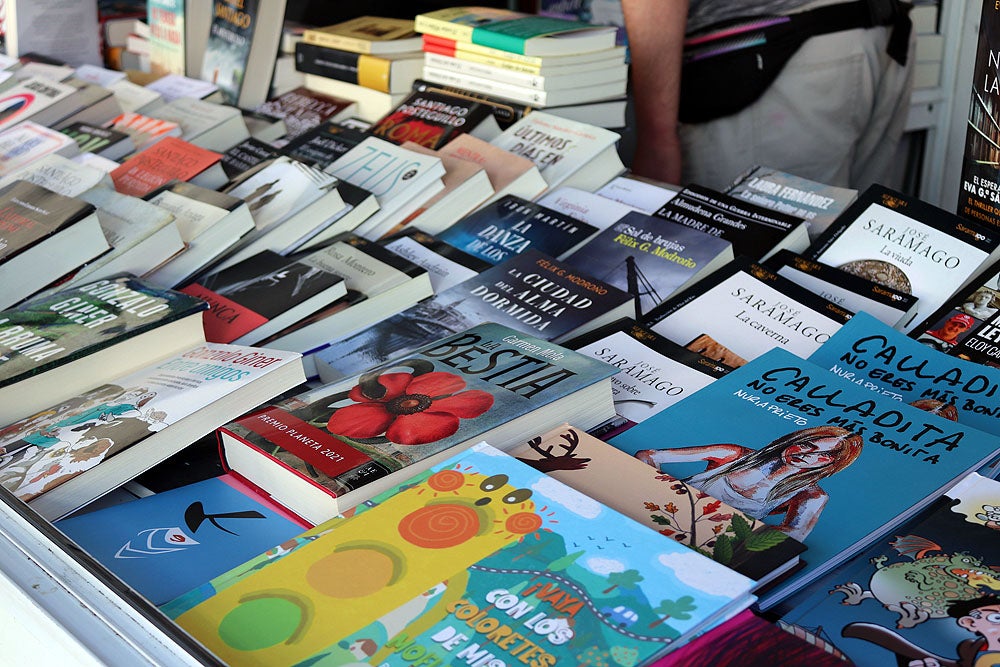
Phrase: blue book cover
{"type": "Point", "coordinates": [830, 463]}
{"type": "Point", "coordinates": [511, 225]}
{"type": "Point", "coordinates": [483, 560]}
{"type": "Point", "coordinates": [925, 591]}
{"type": "Point", "coordinates": [168, 543]}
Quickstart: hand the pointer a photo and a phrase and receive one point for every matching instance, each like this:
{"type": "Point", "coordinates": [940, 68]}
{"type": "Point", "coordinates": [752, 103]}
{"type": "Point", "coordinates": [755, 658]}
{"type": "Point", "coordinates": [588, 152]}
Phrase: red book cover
{"type": "Point", "coordinates": [168, 159]}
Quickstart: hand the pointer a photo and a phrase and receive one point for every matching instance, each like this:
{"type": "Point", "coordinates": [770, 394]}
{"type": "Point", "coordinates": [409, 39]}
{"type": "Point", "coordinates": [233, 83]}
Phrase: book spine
{"type": "Point", "coordinates": [472, 68]}
{"type": "Point", "coordinates": [357, 68]}
{"type": "Point", "coordinates": [461, 48]}
{"type": "Point", "coordinates": [441, 28]}
{"type": "Point", "coordinates": [508, 91]}
{"type": "Point", "coordinates": [339, 42]}
{"type": "Point", "coordinates": [482, 59]}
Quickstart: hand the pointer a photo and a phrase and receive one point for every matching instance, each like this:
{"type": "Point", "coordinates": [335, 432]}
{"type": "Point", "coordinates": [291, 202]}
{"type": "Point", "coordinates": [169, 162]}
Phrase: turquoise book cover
{"type": "Point", "coordinates": [483, 561]}
{"type": "Point", "coordinates": [165, 544]}
{"type": "Point", "coordinates": [830, 463]}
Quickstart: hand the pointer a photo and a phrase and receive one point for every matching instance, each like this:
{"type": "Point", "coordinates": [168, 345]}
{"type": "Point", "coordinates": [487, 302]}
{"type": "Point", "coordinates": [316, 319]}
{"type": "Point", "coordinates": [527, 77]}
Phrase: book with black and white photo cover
{"type": "Point", "coordinates": [650, 258]}
{"type": "Point", "coordinates": [653, 372]}
{"type": "Point", "coordinates": [742, 310]}
{"type": "Point", "coordinates": [509, 226]}
{"type": "Point", "coordinates": [826, 461]}
{"type": "Point", "coordinates": [43, 237]}
{"type": "Point", "coordinates": [102, 437]}
{"type": "Point", "coordinates": [57, 345]}
{"type": "Point", "coordinates": [400, 179]}
{"type": "Point", "coordinates": [263, 294]}
{"type": "Point", "coordinates": [818, 204]}
{"type": "Point", "coordinates": [907, 244]}
{"type": "Point", "coordinates": [530, 292]}
{"type": "Point", "coordinates": [755, 232]}
{"type": "Point", "coordinates": [566, 152]}
{"type": "Point", "coordinates": [849, 290]}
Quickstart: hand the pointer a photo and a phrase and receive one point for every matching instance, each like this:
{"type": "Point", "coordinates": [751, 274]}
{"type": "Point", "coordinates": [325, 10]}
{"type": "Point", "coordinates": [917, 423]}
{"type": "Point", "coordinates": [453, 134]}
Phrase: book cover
{"type": "Point", "coordinates": [979, 194]}
{"type": "Point", "coordinates": [227, 52]}
{"type": "Point", "coordinates": [430, 119]}
{"type": "Point", "coordinates": [30, 213]}
{"type": "Point", "coordinates": [323, 144]}
{"type": "Point", "coordinates": [663, 503]}
{"type": "Point", "coordinates": [505, 111]}
{"type": "Point", "coordinates": [965, 325]}
{"type": "Point", "coordinates": [906, 244]}
{"type": "Point", "coordinates": [653, 373]}
{"type": "Point", "coordinates": [559, 147]}
{"type": "Point", "coordinates": [921, 593]}
{"type": "Point", "coordinates": [879, 358]}
{"type": "Point", "coordinates": [168, 159]}
{"type": "Point", "coordinates": [29, 97]}
{"type": "Point", "coordinates": [826, 461]}
{"type": "Point", "coordinates": [61, 175]}
{"type": "Point", "coordinates": [126, 422]}
{"type": "Point", "coordinates": [509, 226]}
{"type": "Point", "coordinates": [423, 597]}
{"type": "Point", "coordinates": [818, 204]}
{"type": "Point", "coordinates": [246, 155]}
{"type": "Point", "coordinates": [583, 205]}
{"type": "Point", "coordinates": [168, 543]}
{"type": "Point", "coordinates": [205, 124]}
{"type": "Point", "coordinates": [488, 381]}
{"type": "Point", "coordinates": [755, 232]}
{"type": "Point", "coordinates": [103, 141]}
{"type": "Point", "coordinates": [446, 265]}
{"type": "Point", "coordinates": [176, 86]}
{"type": "Point", "coordinates": [743, 310]}
{"type": "Point", "coordinates": [650, 258]}
{"type": "Point", "coordinates": [509, 174]}
{"type": "Point", "coordinates": [848, 290]}
{"type": "Point", "coordinates": [387, 73]}
{"type": "Point", "coordinates": [167, 42]}
{"type": "Point", "coordinates": [144, 130]}
{"type": "Point", "coordinates": [26, 142]}
{"type": "Point", "coordinates": [531, 292]}
{"type": "Point", "coordinates": [303, 109]}
{"type": "Point", "coordinates": [250, 294]}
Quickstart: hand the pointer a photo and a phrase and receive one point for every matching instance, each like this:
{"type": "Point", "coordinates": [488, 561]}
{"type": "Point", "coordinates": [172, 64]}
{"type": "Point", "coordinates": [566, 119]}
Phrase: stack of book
{"type": "Point", "coordinates": [533, 60]}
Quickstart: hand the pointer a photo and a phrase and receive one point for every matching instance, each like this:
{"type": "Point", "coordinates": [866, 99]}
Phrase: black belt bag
{"type": "Point", "coordinates": [728, 66]}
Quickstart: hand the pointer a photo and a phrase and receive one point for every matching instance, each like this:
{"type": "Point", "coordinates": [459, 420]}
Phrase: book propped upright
{"type": "Point", "coordinates": [755, 232]}
{"type": "Point", "coordinates": [474, 573]}
{"type": "Point", "coordinates": [660, 502]}
{"type": "Point", "coordinates": [741, 311]}
{"type": "Point", "coordinates": [909, 245]}
{"type": "Point", "coordinates": [826, 461]}
{"type": "Point", "coordinates": [336, 457]}
{"type": "Point", "coordinates": [531, 292]}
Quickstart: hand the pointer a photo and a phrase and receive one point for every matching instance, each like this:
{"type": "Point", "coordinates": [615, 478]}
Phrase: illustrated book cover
{"type": "Point", "coordinates": [531, 292]}
{"type": "Point", "coordinates": [323, 451]}
{"type": "Point", "coordinates": [538, 586]}
{"type": "Point", "coordinates": [830, 463]}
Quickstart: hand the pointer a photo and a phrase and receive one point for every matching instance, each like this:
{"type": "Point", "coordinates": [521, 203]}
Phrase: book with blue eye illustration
{"type": "Point", "coordinates": [831, 463]}
{"type": "Point", "coordinates": [482, 558]}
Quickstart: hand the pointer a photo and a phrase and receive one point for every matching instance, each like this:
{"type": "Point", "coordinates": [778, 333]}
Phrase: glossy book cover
{"type": "Point", "coordinates": [483, 557]}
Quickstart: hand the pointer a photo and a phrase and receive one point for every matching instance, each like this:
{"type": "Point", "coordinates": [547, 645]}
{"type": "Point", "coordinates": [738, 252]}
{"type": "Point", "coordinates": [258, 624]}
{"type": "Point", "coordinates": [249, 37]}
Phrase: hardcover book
{"type": "Point", "coordinates": [58, 345]}
{"type": "Point", "coordinates": [755, 232]}
{"type": "Point", "coordinates": [43, 237]}
{"type": "Point", "coordinates": [653, 373]}
{"type": "Point", "coordinates": [907, 244]}
{"type": "Point", "coordinates": [650, 258]}
{"type": "Point", "coordinates": [566, 152]}
{"type": "Point", "coordinates": [743, 310]}
{"type": "Point", "coordinates": [921, 594]}
{"type": "Point", "coordinates": [531, 292]}
{"type": "Point", "coordinates": [498, 231]}
{"type": "Point", "coordinates": [243, 39]}
{"type": "Point", "coordinates": [515, 580]}
{"type": "Point", "coordinates": [168, 159]}
{"type": "Point", "coordinates": [660, 502]}
{"type": "Point", "coordinates": [800, 448]}
{"type": "Point", "coordinates": [99, 439]}
{"type": "Point", "coordinates": [165, 544]}
{"type": "Point", "coordinates": [816, 203]}
{"type": "Point", "coordinates": [847, 290]}
{"type": "Point", "coordinates": [335, 456]}
{"type": "Point", "coordinates": [303, 109]}
{"type": "Point", "coordinates": [263, 294]}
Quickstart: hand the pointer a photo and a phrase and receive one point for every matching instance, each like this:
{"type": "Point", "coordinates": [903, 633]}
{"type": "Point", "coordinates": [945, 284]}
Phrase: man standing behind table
{"type": "Point", "coordinates": [835, 112]}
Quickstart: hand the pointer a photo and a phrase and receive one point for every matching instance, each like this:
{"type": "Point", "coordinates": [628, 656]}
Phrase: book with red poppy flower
{"type": "Point", "coordinates": [661, 502]}
{"type": "Point", "coordinates": [326, 450]}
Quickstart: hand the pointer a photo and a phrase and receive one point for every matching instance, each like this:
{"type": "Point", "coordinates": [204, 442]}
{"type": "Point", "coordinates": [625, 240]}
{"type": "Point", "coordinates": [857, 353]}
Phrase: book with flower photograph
{"type": "Point", "coordinates": [323, 451]}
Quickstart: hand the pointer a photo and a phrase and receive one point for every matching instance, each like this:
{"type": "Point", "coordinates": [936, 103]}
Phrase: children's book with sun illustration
{"type": "Point", "coordinates": [325, 450]}
{"type": "Point", "coordinates": [481, 559]}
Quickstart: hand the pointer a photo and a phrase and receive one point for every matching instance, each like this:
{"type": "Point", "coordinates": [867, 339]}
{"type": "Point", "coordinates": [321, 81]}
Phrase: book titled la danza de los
{"type": "Point", "coordinates": [483, 560]}
{"type": "Point", "coordinates": [828, 462]}
{"type": "Point", "coordinates": [979, 194]}
{"type": "Point", "coordinates": [511, 225]}
{"type": "Point", "coordinates": [349, 437]}
{"type": "Point", "coordinates": [531, 292]}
